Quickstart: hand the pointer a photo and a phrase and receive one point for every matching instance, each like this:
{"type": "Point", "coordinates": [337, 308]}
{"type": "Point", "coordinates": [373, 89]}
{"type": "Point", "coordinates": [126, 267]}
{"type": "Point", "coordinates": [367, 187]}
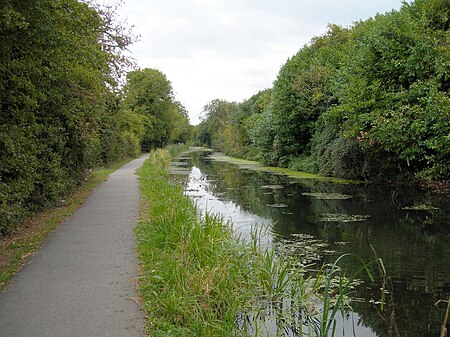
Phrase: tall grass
{"type": "Point", "coordinates": [197, 279]}
{"type": "Point", "coordinates": [194, 279]}
{"type": "Point", "coordinates": [176, 149]}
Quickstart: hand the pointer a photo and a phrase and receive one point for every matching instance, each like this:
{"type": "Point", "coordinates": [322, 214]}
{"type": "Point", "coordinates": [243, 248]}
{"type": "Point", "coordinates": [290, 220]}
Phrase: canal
{"type": "Point", "coordinates": [317, 221]}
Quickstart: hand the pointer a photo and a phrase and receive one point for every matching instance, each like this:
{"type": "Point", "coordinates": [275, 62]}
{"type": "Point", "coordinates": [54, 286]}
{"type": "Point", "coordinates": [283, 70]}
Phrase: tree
{"type": "Point", "coordinates": [214, 130]}
{"type": "Point", "coordinates": [59, 66]}
{"type": "Point", "coordinates": [394, 91]}
{"type": "Point", "coordinates": [149, 93]}
{"type": "Point", "coordinates": [302, 92]}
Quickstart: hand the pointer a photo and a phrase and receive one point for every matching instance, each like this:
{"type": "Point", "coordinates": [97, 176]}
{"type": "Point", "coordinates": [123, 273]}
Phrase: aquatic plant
{"type": "Point", "coordinates": [446, 315]}
{"type": "Point", "coordinates": [256, 166]}
{"type": "Point", "coordinates": [420, 207]}
{"type": "Point", "coordinates": [277, 205]}
{"type": "Point", "coordinates": [327, 196]}
{"type": "Point", "coordinates": [335, 282]}
{"type": "Point", "coordinates": [341, 217]}
{"type": "Point", "coordinates": [273, 187]}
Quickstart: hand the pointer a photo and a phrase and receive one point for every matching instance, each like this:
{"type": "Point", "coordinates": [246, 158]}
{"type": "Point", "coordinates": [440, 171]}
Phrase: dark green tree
{"type": "Point", "coordinates": [394, 90]}
{"type": "Point", "coordinates": [302, 92]}
{"type": "Point", "coordinates": [59, 65]}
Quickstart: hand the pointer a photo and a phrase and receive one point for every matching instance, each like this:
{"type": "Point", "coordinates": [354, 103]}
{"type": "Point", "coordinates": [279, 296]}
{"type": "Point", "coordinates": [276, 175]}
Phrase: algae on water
{"type": "Point", "coordinates": [341, 217]}
{"type": "Point", "coordinates": [273, 187]}
{"type": "Point", "coordinates": [421, 207]}
{"type": "Point", "coordinates": [327, 196]}
{"type": "Point", "coordinates": [277, 205]}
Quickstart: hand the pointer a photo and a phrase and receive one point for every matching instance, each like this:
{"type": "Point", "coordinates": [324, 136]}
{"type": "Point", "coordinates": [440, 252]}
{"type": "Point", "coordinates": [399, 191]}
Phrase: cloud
{"type": "Point", "coordinates": [231, 49]}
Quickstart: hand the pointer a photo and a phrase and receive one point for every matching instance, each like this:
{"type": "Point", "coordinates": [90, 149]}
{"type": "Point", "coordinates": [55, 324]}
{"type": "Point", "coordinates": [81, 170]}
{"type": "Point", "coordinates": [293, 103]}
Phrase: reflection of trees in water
{"type": "Point", "coordinates": [414, 245]}
{"type": "Point", "coordinates": [417, 262]}
{"type": "Point", "coordinates": [406, 313]}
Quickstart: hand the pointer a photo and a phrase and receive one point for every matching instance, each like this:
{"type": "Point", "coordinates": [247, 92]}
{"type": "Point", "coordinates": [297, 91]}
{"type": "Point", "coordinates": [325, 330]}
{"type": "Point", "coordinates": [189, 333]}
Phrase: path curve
{"type": "Point", "coordinates": [81, 283]}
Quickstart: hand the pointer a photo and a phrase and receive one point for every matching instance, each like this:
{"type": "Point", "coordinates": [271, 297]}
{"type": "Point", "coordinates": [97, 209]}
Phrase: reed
{"type": "Point", "coordinates": [337, 293]}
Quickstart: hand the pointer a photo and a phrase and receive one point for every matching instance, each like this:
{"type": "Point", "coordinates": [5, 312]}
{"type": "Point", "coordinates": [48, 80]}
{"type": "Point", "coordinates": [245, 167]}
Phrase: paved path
{"type": "Point", "coordinates": [81, 282]}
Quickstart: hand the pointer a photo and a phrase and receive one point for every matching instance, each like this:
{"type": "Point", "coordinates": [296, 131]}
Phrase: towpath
{"type": "Point", "coordinates": [81, 283]}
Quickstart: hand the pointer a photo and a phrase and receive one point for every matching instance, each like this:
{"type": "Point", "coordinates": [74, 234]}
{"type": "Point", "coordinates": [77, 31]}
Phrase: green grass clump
{"type": "Point", "coordinates": [194, 280]}
{"type": "Point", "coordinates": [176, 149]}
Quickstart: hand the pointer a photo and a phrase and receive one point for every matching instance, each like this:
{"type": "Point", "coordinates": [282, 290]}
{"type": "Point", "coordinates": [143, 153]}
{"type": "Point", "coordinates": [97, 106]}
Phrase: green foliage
{"type": "Point", "coordinates": [393, 91]}
{"type": "Point", "coordinates": [366, 102]}
{"type": "Point", "coordinates": [261, 131]}
{"type": "Point", "coordinates": [228, 126]}
{"type": "Point", "coordinates": [302, 92]}
{"type": "Point", "coordinates": [122, 138]}
{"type": "Point", "coordinates": [61, 109]}
{"type": "Point", "coordinates": [217, 127]}
{"type": "Point", "coordinates": [149, 94]}
{"type": "Point", "coordinates": [59, 65]}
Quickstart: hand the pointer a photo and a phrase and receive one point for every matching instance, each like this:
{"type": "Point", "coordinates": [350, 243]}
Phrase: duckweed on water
{"type": "Point", "coordinates": [253, 165]}
{"type": "Point", "coordinates": [277, 205]}
{"type": "Point", "coordinates": [302, 236]}
{"type": "Point", "coordinates": [327, 196]}
{"type": "Point", "coordinates": [179, 163]}
{"type": "Point", "coordinates": [421, 207]}
{"type": "Point", "coordinates": [179, 171]}
{"type": "Point", "coordinates": [341, 217]}
{"type": "Point", "coordinates": [179, 168]}
{"type": "Point", "coordinates": [305, 249]}
{"type": "Point", "coordinates": [273, 187]}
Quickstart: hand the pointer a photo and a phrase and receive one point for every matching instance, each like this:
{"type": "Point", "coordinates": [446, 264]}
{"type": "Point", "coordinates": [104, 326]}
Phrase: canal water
{"type": "Point", "coordinates": [317, 221]}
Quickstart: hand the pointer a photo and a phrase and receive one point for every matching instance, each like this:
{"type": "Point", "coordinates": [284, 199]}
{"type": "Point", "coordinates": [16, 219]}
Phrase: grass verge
{"type": "Point", "coordinates": [197, 279]}
{"type": "Point", "coordinates": [193, 281]}
{"type": "Point", "coordinates": [20, 243]}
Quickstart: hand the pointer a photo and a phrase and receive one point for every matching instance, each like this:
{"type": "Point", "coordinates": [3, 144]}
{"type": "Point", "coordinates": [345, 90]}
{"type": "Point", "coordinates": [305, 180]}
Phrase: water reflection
{"type": "Point", "coordinates": [200, 188]}
{"type": "Point", "coordinates": [408, 229]}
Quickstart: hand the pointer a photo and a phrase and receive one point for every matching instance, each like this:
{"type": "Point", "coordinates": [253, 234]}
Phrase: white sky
{"type": "Point", "coordinates": [231, 49]}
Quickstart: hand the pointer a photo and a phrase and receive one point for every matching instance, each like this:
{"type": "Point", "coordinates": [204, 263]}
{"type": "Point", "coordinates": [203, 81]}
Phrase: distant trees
{"type": "Point", "coordinates": [61, 107]}
{"type": "Point", "coordinates": [149, 93]}
{"type": "Point", "coordinates": [363, 102]}
{"type": "Point", "coordinates": [217, 124]}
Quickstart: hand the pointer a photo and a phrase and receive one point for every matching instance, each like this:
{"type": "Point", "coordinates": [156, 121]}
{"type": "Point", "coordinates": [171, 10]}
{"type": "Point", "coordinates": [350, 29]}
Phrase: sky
{"type": "Point", "coordinates": [231, 49]}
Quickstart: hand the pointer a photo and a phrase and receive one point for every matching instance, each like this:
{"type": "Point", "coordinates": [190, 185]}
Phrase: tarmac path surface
{"type": "Point", "coordinates": [81, 282]}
